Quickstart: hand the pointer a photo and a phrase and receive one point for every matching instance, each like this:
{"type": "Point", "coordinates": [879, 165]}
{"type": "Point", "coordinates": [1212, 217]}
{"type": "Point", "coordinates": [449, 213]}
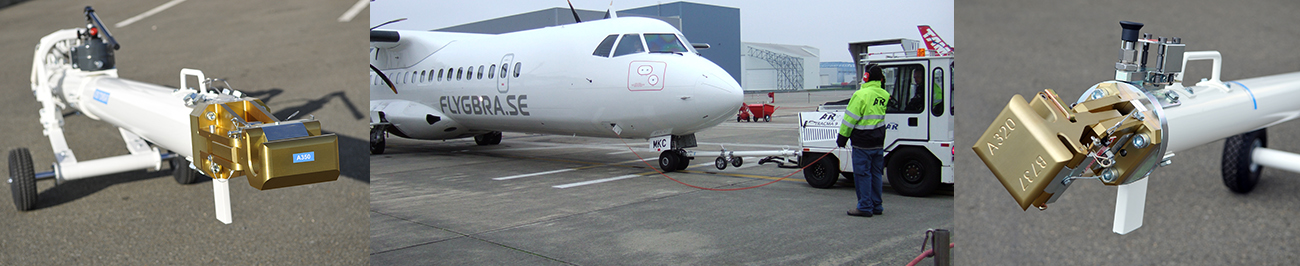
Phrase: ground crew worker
{"type": "Point", "coordinates": [862, 124]}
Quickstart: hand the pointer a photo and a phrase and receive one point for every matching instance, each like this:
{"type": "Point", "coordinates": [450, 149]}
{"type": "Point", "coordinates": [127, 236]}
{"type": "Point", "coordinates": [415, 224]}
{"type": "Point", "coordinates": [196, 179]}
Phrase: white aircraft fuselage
{"type": "Point", "coordinates": [553, 82]}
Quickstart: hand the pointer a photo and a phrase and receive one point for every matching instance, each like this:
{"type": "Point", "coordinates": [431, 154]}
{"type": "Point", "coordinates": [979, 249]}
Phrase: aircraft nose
{"type": "Point", "coordinates": [721, 95]}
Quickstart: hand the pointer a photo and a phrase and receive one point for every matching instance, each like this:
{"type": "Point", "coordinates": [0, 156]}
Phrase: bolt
{"type": "Point", "coordinates": [1171, 96]}
{"type": "Point", "coordinates": [1139, 116]}
{"type": "Point", "coordinates": [1042, 207]}
{"type": "Point", "coordinates": [1067, 181]}
{"type": "Point", "coordinates": [1108, 176]}
{"type": "Point", "coordinates": [1097, 94]}
{"type": "Point", "coordinates": [1140, 141]}
{"type": "Point", "coordinates": [212, 116]}
{"type": "Point", "coordinates": [1166, 162]}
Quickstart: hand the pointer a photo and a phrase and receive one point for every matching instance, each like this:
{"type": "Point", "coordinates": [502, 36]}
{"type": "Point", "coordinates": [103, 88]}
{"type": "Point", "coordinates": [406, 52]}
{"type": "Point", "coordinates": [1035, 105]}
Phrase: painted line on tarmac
{"type": "Point", "coordinates": [352, 12]}
{"type": "Point", "coordinates": [534, 174]}
{"type": "Point", "coordinates": [146, 14]}
{"type": "Point", "coordinates": [635, 161]}
{"type": "Point", "coordinates": [595, 181]}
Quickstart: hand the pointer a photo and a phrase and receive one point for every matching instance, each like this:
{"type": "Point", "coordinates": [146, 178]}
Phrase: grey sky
{"type": "Point", "coordinates": [828, 25]}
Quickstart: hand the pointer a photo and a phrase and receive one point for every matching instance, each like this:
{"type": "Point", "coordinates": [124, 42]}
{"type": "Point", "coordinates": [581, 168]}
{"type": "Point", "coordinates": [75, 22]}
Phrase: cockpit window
{"type": "Point", "coordinates": [605, 46]}
{"type": "Point", "coordinates": [630, 44]}
{"type": "Point", "coordinates": [664, 43]}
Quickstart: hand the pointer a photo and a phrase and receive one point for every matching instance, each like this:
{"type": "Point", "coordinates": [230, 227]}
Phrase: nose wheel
{"type": "Point", "coordinates": [673, 160]}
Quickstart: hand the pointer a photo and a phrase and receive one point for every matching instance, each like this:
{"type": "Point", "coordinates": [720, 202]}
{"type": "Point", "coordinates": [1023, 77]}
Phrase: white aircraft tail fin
{"type": "Point", "coordinates": [609, 13]}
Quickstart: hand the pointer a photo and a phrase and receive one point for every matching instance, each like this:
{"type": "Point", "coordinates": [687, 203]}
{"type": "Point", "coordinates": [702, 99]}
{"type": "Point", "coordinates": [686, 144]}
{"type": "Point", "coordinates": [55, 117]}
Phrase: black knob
{"type": "Point", "coordinates": [1130, 30]}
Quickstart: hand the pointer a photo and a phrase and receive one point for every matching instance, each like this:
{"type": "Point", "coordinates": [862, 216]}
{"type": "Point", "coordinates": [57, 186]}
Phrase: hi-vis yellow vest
{"type": "Point", "coordinates": [866, 109]}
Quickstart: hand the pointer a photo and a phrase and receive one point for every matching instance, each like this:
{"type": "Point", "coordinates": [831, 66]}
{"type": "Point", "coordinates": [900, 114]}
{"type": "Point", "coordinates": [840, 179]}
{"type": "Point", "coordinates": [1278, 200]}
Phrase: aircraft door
{"type": "Point", "coordinates": [503, 80]}
{"type": "Point", "coordinates": [906, 116]}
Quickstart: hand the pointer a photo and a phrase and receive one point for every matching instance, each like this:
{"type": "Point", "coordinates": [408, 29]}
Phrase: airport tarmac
{"type": "Point", "coordinates": [1191, 218]}
{"type": "Point", "coordinates": [554, 200]}
{"type": "Point", "coordinates": [294, 55]}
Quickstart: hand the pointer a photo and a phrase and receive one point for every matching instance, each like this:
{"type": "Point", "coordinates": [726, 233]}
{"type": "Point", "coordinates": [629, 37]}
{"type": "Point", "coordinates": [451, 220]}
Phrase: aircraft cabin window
{"type": "Point", "coordinates": [422, 79]}
{"type": "Point", "coordinates": [517, 69]}
{"type": "Point", "coordinates": [664, 43]}
{"type": "Point", "coordinates": [440, 75]}
{"type": "Point", "coordinates": [480, 72]}
{"type": "Point", "coordinates": [605, 46]}
{"type": "Point", "coordinates": [449, 72]}
{"type": "Point", "coordinates": [469, 73]}
{"type": "Point", "coordinates": [504, 69]}
{"type": "Point", "coordinates": [492, 70]}
{"type": "Point", "coordinates": [630, 44]}
{"type": "Point", "coordinates": [459, 72]}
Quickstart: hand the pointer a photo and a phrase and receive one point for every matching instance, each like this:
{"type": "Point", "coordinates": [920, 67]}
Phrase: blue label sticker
{"type": "Point", "coordinates": [304, 157]}
{"type": "Point", "coordinates": [101, 96]}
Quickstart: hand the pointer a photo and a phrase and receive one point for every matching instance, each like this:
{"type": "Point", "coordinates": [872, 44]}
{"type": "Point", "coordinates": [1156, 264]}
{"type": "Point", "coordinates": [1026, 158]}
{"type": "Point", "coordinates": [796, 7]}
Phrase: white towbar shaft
{"type": "Point", "coordinates": [1209, 114]}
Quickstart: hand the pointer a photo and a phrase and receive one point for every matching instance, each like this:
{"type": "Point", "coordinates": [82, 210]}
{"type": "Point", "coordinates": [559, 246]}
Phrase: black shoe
{"type": "Point", "coordinates": [856, 212]}
{"type": "Point", "coordinates": [878, 212]}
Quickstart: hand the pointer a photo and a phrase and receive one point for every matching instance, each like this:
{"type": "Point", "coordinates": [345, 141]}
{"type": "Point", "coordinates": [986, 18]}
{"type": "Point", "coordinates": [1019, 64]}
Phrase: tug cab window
{"type": "Point", "coordinates": [937, 93]}
{"type": "Point", "coordinates": [906, 87]}
{"type": "Point", "coordinates": [605, 46]}
{"type": "Point", "coordinates": [664, 43]}
{"type": "Point", "coordinates": [630, 44]}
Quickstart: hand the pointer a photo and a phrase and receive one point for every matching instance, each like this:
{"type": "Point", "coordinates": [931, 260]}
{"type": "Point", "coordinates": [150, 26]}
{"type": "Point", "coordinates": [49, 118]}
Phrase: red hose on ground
{"type": "Point", "coordinates": [927, 253]}
{"type": "Point", "coordinates": [638, 156]}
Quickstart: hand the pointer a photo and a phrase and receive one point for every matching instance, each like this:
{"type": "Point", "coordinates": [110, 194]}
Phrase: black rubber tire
{"type": "Point", "coordinates": [491, 138]}
{"type": "Point", "coordinates": [683, 162]}
{"type": "Point", "coordinates": [377, 140]}
{"type": "Point", "coordinates": [720, 163]}
{"type": "Point", "coordinates": [913, 172]}
{"type": "Point", "coordinates": [22, 179]}
{"type": "Point", "coordinates": [668, 161]}
{"type": "Point", "coordinates": [820, 174]}
{"type": "Point", "coordinates": [1238, 173]}
{"type": "Point", "coordinates": [767, 118]}
{"type": "Point", "coordinates": [736, 161]}
{"type": "Point", "coordinates": [182, 172]}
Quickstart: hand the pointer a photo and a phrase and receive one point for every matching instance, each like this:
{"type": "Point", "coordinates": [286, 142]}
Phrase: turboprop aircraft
{"type": "Point", "coordinates": [628, 77]}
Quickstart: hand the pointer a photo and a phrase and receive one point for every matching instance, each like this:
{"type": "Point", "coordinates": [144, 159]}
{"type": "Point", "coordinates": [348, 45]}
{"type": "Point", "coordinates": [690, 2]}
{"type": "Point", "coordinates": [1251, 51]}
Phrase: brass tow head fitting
{"type": "Point", "coordinates": [240, 137]}
{"type": "Point", "coordinates": [1036, 148]}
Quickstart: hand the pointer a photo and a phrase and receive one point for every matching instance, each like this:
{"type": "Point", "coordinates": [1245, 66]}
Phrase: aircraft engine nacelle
{"type": "Point", "coordinates": [413, 120]}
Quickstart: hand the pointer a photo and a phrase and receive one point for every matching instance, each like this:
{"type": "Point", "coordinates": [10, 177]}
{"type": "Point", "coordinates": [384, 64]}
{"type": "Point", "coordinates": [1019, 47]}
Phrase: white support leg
{"type": "Point", "coordinates": [1129, 205]}
{"type": "Point", "coordinates": [1276, 159]}
{"type": "Point", "coordinates": [221, 195]}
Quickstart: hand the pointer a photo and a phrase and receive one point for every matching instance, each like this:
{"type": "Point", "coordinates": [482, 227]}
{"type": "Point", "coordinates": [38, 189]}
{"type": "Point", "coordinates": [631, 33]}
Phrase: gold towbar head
{"type": "Point", "coordinates": [241, 138]}
{"type": "Point", "coordinates": [1037, 148]}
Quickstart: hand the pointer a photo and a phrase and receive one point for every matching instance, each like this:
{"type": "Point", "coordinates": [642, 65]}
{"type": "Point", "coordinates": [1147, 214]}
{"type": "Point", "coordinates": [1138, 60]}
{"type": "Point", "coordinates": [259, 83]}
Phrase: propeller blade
{"type": "Point", "coordinates": [389, 22]}
{"type": "Point", "coordinates": [385, 78]}
{"type": "Point", "coordinates": [575, 12]}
